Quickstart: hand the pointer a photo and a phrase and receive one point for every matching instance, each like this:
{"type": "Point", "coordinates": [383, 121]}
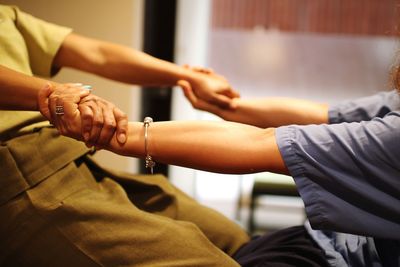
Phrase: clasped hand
{"type": "Point", "coordinates": [86, 117]}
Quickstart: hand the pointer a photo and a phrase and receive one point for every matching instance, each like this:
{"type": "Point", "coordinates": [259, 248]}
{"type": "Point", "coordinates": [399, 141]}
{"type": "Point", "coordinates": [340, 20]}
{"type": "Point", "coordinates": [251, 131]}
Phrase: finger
{"type": "Point", "coordinates": [86, 121]}
{"type": "Point", "coordinates": [60, 124]}
{"type": "Point", "coordinates": [197, 102]}
{"type": "Point", "coordinates": [222, 101]}
{"type": "Point", "coordinates": [188, 92]}
{"type": "Point", "coordinates": [203, 70]}
{"type": "Point", "coordinates": [52, 100]}
{"type": "Point", "coordinates": [84, 90]}
{"type": "Point", "coordinates": [232, 93]}
{"type": "Point", "coordinates": [43, 101]}
{"type": "Point", "coordinates": [97, 123]}
{"type": "Point", "coordinates": [74, 84]}
{"type": "Point", "coordinates": [109, 126]}
{"type": "Point", "coordinates": [122, 125]}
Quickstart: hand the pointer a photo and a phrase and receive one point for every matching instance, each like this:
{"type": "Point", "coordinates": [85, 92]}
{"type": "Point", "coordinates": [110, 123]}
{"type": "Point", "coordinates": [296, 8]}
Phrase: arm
{"type": "Point", "coordinates": [130, 66]}
{"type": "Point", "coordinates": [365, 108]}
{"type": "Point", "coordinates": [265, 112]}
{"type": "Point", "coordinates": [275, 112]}
{"type": "Point", "coordinates": [223, 147]}
{"type": "Point", "coordinates": [23, 92]}
{"type": "Point", "coordinates": [345, 171]}
{"type": "Point", "coordinates": [19, 91]}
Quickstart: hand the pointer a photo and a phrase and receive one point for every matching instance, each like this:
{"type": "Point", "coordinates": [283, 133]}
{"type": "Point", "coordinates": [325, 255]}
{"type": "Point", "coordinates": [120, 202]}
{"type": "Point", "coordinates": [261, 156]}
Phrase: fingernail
{"type": "Point", "coordinates": [121, 138]}
{"type": "Point", "coordinates": [87, 87]}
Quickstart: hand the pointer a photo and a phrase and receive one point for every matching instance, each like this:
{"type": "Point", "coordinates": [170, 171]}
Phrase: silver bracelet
{"type": "Point", "coordinates": [149, 161]}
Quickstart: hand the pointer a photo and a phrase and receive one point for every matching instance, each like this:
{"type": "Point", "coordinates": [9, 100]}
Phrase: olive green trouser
{"type": "Point", "coordinates": [74, 213]}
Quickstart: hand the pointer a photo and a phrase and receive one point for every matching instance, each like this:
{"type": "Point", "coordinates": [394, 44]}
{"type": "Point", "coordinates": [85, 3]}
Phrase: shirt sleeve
{"type": "Point", "coordinates": [43, 40]}
{"type": "Point", "coordinates": [366, 108]}
{"type": "Point", "coordinates": [347, 174]}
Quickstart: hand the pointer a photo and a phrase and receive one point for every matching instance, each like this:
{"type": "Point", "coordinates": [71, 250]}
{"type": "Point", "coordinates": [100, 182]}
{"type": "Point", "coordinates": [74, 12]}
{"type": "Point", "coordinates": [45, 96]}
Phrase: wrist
{"type": "Point", "coordinates": [228, 114]}
{"type": "Point", "coordinates": [134, 145]}
{"type": "Point", "coordinates": [43, 91]}
{"type": "Point", "coordinates": [190, 76]}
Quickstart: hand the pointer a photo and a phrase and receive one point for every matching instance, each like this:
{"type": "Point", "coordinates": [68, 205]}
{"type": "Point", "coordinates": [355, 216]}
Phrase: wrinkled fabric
{"type": "Point", "coordinates": [347, 174]}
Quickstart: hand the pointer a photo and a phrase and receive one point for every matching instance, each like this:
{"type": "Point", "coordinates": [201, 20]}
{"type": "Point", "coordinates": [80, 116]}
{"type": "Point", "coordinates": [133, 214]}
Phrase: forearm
{"type": "Point", "coordinates": [118, 62]}
{"type": "Point", "coordinates": [19, 91]}
{"type": "Point", "coordinates": [275, 112]}
{"type": "Point", "coordinates": [134, 67]}
{"type": "Point", "coordinates": [213, 146]}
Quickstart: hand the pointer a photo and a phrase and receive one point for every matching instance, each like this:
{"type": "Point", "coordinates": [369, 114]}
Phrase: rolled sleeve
{"type": "Point", "coordinates": [365, 108]}
{"type": "Point", "coordinates": [347, 174]}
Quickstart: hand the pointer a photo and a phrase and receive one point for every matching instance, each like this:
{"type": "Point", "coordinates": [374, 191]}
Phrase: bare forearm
{"type": "Point", "coordinates": [135, 67]}
{"type": "Point", "coordinates": [275, 112]}
{"type": "Point", "coordinates": [213, 146]}
{"type": "Point", "coordinates": [19, 91]}
{"type": "Point", "coordinates": [118, 62]}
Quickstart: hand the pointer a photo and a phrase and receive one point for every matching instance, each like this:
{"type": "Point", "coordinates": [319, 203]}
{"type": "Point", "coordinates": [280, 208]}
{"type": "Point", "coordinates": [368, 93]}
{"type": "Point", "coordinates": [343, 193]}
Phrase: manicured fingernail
{"type": "Point", "coordinates": [121, 138]}
{"type": "Point", "coordinates": [87, 87]}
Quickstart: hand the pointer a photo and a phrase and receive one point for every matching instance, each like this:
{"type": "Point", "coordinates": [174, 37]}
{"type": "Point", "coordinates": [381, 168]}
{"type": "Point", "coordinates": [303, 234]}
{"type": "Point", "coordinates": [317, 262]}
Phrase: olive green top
{"type": "Point", "coordinates": [27, 45]}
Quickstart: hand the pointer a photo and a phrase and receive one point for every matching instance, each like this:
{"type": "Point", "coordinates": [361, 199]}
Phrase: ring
{"type": "Point", "coordinates": [59, 110]}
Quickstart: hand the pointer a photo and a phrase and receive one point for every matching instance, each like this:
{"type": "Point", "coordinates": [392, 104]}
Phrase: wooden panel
{"type": "Point", "coordinates": [362, 17]}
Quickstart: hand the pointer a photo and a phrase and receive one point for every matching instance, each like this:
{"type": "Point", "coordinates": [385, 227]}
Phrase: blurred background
{"type": "Point", "coordinates": [322, 50]}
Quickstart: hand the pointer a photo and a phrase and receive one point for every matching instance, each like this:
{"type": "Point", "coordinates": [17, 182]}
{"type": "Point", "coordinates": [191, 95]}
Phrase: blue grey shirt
{"type": "Point", "coordinates": [348, 175]}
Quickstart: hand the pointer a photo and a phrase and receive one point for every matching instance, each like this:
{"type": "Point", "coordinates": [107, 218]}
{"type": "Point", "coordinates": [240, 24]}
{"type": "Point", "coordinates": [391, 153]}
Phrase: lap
{"type": "Point", "coordinates": [69, 219]}
{"type": "Point", "coordinates": [156, 195]}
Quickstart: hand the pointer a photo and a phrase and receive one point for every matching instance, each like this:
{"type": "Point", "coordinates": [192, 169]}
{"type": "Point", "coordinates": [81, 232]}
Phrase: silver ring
{"type": "Point", "coordinates": [59, 110]}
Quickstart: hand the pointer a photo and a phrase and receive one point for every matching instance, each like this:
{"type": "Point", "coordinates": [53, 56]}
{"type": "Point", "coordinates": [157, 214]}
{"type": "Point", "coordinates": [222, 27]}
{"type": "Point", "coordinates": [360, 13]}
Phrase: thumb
{"type": "Point", "coordinates": [188, 92]}
{"type": "Point", "coordinates": [222, 101]}
{"type": "Point", "coordinates": [122, 125]}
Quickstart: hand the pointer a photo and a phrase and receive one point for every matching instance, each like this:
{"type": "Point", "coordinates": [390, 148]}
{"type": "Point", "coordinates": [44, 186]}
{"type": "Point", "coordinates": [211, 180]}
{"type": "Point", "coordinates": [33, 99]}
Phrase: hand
{"type": "Point", "coordinates": [100, 120]}
{"type": "Point", "coordinates": [66, 96]}
{"type": "Point", "coordinates": [211, 88]}
{"type": "Point", "coordinates": [199, 103]}
{"type": "Point", "coordinates": [86, 117]}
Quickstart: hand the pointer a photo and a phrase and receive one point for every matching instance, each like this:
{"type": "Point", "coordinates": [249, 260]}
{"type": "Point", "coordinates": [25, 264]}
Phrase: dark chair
{"type": "Point", "coordinates": [269, 184]}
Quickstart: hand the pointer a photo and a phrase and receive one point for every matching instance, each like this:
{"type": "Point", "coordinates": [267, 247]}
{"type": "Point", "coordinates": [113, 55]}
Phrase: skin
{"type": "Point", "coordinates": [228, 147]}
{"type": "Point", "coordinates": [224, 147]}
{"type": "Point", "coordinates": [263, 112]}
{"type": "Point", "coordinates": [127, 65]}
{"type": "Point", "coordinates": [100, 118]}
